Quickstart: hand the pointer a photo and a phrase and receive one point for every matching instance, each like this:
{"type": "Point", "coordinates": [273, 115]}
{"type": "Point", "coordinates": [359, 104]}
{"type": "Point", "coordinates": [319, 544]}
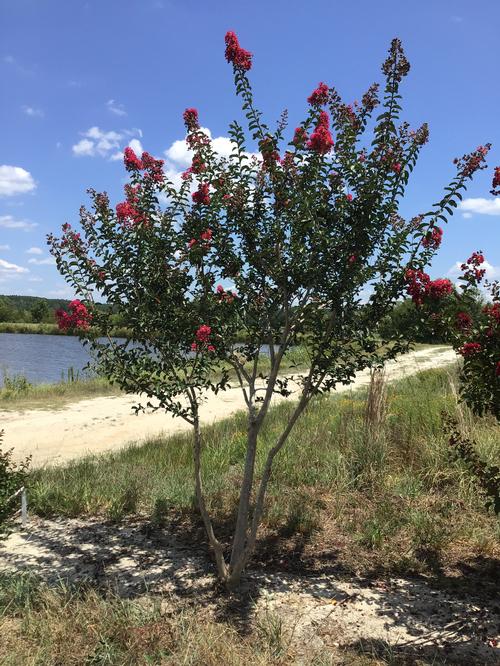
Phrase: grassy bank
{"type": "Point", "coordinates": [19, 394]}
{"type": "Point", "coordinates": [50, 329]}
{"type": "Point", "coordinates": [388, 497]}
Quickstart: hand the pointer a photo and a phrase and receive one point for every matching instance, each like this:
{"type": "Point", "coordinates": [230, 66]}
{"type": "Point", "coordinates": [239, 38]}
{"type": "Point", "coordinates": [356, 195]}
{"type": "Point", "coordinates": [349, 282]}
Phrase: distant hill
{"type": "Point", "coordinates": [27, 302]}
{"type": "Point", "coordinates": [28, 309]}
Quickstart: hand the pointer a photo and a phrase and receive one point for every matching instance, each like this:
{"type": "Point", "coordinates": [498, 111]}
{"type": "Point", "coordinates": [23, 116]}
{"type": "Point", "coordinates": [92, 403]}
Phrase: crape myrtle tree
{"type": "Point", "coordinates": [474, 331]}
{"type": "Point", "coordinates": [301, 240]}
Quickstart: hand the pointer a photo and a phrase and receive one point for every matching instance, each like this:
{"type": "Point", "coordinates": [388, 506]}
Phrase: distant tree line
{"type": "Point", "coordinates": [412, 324]}
{"type": "Point", "coordinates": [32, 309]}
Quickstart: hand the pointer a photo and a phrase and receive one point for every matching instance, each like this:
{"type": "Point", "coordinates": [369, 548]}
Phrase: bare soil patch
{"type": "Point", "coordinates": [415, 618]}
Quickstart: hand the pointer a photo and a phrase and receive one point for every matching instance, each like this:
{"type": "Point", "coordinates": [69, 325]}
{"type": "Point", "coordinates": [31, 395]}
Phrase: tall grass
{"type": "Point", "coordinates": [387, 495]}
{"type": "Point", "coordinates": [18, 393]}
{"type": "Point", "coordinates": [75, 626]}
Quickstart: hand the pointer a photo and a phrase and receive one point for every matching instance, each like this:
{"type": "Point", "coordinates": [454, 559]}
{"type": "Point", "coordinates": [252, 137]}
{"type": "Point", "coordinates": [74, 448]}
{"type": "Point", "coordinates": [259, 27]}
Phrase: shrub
{"type": "Point", "coordinates": [277, 245]}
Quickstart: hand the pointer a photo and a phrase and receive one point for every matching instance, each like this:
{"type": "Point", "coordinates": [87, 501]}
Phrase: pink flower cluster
{"type": "Point", "coordinates": [471, 269]}
{"type": "Point", "coordinates": [197, 166]}
{"type": "Point", "coordinates": [202, 195]}
{"type": "Point", "coordinates": [77, 317]}
{"type": "Point", "coordinates": [147, 163]}
{"type": "Point", "coordinates": [72, 240]}
{"type": "Point", "coordinates": [190, 117]}
{"type": "Point", "coordinates": [128, 212]}
{"type": "Point", "coordinates": [470, 349]}
{"type": "Point", "coordinates": [493, 311]}
{"type": "Point", "coordinates": [433, 238]}
{"type": "Point", "coordinates": [203, 339]}
{"type": "Point", "coordinates": [496, 182]}
{"type": "Point", "coordinates": [268, 151]}
{"type": "Point", "coordinates": [321, 140]}
{"type": "Point", "coordinates": [225, 296]}
{"type": "Point", "coordinates": [131, 161]}
{"type": "Point", "coordinates": [440, 288]}
{"type": "Point", "coordinates": [468, 164]}
{"type": "Point", "coordinates": [239, 57]}
{"type": "Point", "coordinates": [419, 286]}
{"type": "Point", "coordinates": [319, 97]}
{"type": "Point", "coordinates": [300, 137]}
{"type": "Point", "coordinates": [204, 240]}
{"type": "Point", "coordinates": [464, 321]}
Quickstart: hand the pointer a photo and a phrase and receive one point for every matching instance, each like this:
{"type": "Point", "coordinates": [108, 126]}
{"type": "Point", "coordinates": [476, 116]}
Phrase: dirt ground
{"type": "Point", "coordinates": [101, 424]}
{"type": "Point", "coordinates": [412, 617]}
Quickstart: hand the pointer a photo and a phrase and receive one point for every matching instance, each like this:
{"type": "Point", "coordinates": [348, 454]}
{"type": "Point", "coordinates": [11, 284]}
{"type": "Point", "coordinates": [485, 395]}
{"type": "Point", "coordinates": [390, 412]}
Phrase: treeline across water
{"type": "Point", "coordinates": [33, 314]}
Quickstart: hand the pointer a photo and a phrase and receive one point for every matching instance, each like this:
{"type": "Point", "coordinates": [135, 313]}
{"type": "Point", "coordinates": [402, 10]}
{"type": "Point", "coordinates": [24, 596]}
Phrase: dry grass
{"type": "Point", "coordinates": [72, 627]}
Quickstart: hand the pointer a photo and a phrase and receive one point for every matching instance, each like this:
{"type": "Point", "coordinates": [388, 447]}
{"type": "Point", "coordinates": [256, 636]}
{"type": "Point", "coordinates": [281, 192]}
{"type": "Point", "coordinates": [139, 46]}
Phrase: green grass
{"type": "Point", "coordinates": [19, 394]}
{"type": "Point", "coordinates": [45, 328]}
{"type": "Point", "coordinates": [387, 496]}
{"type": "Point", "coordinates": [25, 327]}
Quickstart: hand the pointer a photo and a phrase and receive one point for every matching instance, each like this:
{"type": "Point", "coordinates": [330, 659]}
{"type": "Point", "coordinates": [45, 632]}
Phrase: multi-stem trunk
{"type": "Point", "coordinates": [241, 528]}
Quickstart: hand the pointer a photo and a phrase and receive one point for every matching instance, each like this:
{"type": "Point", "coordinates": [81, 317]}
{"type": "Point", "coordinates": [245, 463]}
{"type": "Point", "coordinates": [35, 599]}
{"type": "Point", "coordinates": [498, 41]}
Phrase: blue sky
{"type": "Point", "coordinates": [82, 79]}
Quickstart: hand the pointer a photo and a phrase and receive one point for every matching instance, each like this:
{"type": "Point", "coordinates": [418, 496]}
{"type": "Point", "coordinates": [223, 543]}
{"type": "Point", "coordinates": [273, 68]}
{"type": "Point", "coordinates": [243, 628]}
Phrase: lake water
{"type": "Point", "coordinates": [44, 358]}
{"type": "Point", "coordinates": [40, 358]}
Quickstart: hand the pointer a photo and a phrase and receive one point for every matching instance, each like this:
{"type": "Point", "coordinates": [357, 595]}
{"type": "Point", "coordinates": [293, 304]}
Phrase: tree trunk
{"type": "Point", "coordinates": [240, 532]}
{"type": "Point", "coordinates": [214, 542]}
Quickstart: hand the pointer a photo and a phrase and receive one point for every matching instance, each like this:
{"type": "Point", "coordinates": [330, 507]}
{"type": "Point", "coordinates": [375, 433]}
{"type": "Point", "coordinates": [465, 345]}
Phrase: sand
{"type": "Point", "coordinates": [96, 425]}
{"type": "Point", "coordinates": [395, 615]}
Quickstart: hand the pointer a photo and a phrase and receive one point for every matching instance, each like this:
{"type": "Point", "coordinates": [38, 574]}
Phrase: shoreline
{"type": "Point", "coordinates": [102, 424]}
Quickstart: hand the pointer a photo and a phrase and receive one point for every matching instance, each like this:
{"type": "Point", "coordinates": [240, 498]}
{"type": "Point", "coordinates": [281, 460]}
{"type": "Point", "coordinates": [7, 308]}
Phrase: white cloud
{"type": "Point", "coordinates": [34, 250]}
{"type": "Point", "coordinates": [4, 247]}
{"type": "Point", "coordinates": [8, 269]}
{"type": "Point", "coordinates": [15, 180]}
{"type": "Point", "coordinates": [181, 156]}
{"type": "Point", "coordinates": [48, 261]}
{"type": "Point", "coordinates": [114, 107]}
{"type": "Point", "coordinates": [84, 147]}
{"type": "Point", "coordinates": [105, 144]}
{"type": "Point", "coordinates": [10, 222]}
{"type": "Point", "coordinates": [62, 293]}
{"type": "Point", "coordinates": [35, 279]}
{"type": "Point", "coordinates": [480, 206]}
{"type": "Point", "coordinates": [32, 111]}
{"type": "Point", "coordinates": [136, 146]}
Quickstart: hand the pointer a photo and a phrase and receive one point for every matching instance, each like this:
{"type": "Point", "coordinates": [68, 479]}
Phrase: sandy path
{"type": "Point", "coordinates": [404, 616]}
{"type": "Point", "coordinates": [101, 424]}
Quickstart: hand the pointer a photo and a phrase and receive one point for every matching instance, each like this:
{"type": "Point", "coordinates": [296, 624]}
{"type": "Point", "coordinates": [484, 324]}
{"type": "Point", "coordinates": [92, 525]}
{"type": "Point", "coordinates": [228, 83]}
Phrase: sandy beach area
{"type": "Point", "coordinates": [107, 423]}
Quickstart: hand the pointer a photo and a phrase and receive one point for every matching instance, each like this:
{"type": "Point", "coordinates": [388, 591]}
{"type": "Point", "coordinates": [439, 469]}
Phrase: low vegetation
{"type": "Point", "coordinates": [18, 393]}
{"type": "Point", "coordinates": [75, 626]}
{"type": "Point", "coordinates": [372, 482]}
